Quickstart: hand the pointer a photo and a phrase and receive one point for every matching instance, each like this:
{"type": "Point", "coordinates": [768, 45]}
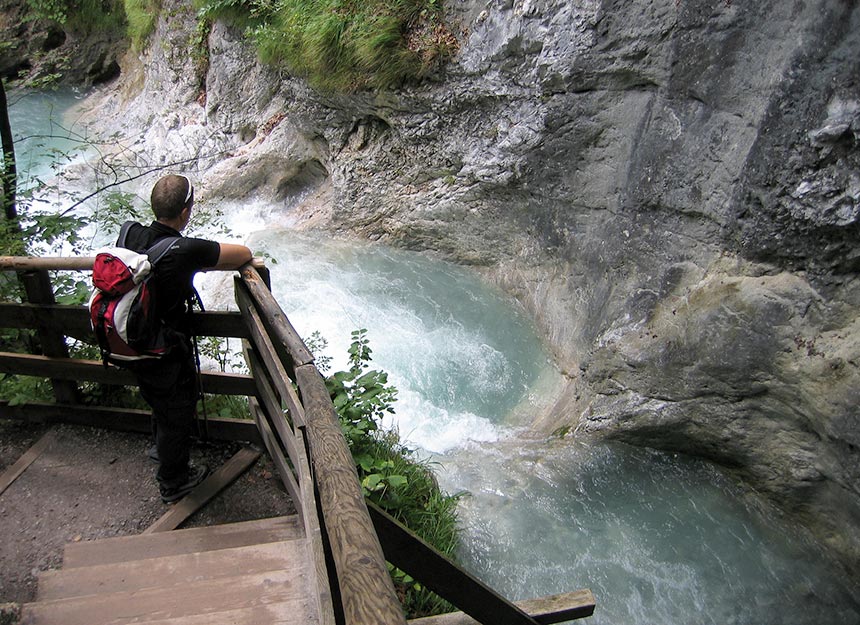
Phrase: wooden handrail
{"type": "Point", "coordinates": [50, 263]}
{"type": "Point", "coordinates": [280, 327]}
{"type": "Point", "coordinates": [365, 584]}
{"type": "Point", "coordinates": [69, 263]}
{"type": "Point", "coordinates": [363, 581]}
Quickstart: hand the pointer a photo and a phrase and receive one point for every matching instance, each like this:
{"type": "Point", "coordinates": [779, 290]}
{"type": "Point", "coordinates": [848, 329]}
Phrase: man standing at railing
{"type": "Point", "coordinates": [169, 384]}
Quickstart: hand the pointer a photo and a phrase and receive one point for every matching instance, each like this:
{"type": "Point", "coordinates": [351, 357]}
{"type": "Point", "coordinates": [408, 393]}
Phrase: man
{"type": "Point", "coordinates": [169, 385]}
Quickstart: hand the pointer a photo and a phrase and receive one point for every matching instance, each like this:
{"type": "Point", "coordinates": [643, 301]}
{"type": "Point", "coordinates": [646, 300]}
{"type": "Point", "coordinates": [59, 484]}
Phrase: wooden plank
{"type": "Point", "coordinates": [318, 571]}
{"type": "Point", "coordinates": [269, 355]}
{"type": "Point", "coordinates": [366, 589]}
{"type": "Point", "coordinates": [75, 320]}
{"type": "Point", "coordinates": [277, 456]}
{"type": "Point", "coordinates": [272, 407]}
{"type": "Point", "coordinates": [121, 419]}
{"type": "Point", "coordinates": [299, 611]}
{"type": "Point", "coordinates": [302, 492]}
{"type": "Point", "coordinates": [169, 570]}
{"type": "Point", "coordinates": [276, 320]}
{"type": "Point", "coordinates": [94, 371]}
{"type": "Point", "coordinates": [178, 601]}
{"type": "Point", "coordinates": [545, 610]}
{"type": "Point", "coordinates": [12, 473]}
{"type": "Point", "coordinates": [410, 553]}
{"type": "Point", "coordinates": [211, 486]}
{"type": "Point", "coordinates": [190, 540]}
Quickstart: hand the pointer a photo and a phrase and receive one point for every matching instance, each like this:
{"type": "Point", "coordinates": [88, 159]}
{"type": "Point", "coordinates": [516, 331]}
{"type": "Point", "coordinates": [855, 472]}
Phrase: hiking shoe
{"type": "Point", "coordinates": [152, 454]}
{"type": "Point", "coordinates": [196, 474]}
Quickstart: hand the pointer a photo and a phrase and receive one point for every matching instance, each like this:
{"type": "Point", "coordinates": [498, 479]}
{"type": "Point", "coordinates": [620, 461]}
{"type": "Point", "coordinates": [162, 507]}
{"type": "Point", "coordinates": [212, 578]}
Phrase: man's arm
{"type": "Point", "coordinates": [232, 256]}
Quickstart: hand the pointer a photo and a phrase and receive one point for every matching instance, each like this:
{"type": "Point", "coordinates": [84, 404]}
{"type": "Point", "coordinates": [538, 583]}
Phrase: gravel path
{"type": "Point", "coordinates": [92, 483]}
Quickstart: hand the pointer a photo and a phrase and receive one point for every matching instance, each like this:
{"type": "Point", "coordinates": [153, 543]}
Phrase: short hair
{"type": "Point", "coordinates": [170, 195]}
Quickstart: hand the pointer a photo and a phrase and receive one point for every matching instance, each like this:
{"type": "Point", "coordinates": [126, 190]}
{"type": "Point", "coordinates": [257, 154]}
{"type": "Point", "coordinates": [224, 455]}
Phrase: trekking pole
{"type": "Point", "coordinates": [204, 433]}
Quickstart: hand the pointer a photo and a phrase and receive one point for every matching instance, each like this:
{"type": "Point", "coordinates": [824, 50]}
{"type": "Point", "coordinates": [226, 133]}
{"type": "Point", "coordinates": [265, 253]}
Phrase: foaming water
{"type": "Point", "coordinates": [460, 355]}
{"type": "Point", "coordinates": [658, 538]}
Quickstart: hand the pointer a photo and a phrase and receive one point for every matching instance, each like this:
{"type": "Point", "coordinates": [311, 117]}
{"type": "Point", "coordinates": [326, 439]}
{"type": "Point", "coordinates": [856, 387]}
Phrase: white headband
{"type": "Point", "coordinates": [190, 190]}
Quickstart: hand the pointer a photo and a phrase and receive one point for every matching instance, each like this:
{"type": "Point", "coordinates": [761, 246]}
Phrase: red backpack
{"type": "Point", "coordinates": [122, 305]}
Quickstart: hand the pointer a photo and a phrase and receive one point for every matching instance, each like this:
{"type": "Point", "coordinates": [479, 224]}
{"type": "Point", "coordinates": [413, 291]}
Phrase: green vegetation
{"type": "Point", "coordinates": [82, 17]}
{"type": "Point", "coordinates": [344, 45]}
{"type": "Point", "coordinates": [391, 475]}
{"type": "Point", "coordinates": [141, 16]}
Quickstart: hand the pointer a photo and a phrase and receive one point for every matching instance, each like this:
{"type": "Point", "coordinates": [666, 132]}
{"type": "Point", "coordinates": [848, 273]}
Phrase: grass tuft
{"type": "Point", "coordinates": [141, 16]}
{"type": "Point", "coordinates": [345, 45]}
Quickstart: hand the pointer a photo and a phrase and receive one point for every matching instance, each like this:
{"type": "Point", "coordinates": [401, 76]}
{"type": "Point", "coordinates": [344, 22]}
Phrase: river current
{"type": "Point", "coordinates": [659, 538]}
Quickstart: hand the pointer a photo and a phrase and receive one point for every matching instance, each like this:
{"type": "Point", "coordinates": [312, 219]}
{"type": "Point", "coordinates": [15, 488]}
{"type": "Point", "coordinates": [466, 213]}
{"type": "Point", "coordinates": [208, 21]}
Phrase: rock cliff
{"type": "Point", "coordinates": [671, 187]}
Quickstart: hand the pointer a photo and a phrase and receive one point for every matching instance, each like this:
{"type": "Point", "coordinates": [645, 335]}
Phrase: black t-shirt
{"type": "Point", "coordinates": [174, 274]}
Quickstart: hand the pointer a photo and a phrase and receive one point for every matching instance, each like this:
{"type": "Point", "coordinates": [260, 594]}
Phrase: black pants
{"type": "Point", "coordinates": [169, 386]}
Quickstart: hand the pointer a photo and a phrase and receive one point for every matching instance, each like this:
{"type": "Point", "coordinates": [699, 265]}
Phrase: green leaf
{"type": "Point", "coordinates": [342, 376]}
{"type": "Point", "coordinates": [365, 461]}
{"type": "Point", "coordinates": [372, 482]}
{"type": "Point", "coordinates": [396, 481]}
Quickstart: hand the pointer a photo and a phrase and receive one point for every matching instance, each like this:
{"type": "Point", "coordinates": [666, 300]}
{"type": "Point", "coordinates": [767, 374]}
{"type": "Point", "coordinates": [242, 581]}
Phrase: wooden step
{"type": "Point", "coordinates": [180, 601]}
{"type": "Point", "coordinates": [126, 548]}
{"type": "Point", "coordinates": [171, 570]}
{"type": "Point", "coordinates": [298, 612]}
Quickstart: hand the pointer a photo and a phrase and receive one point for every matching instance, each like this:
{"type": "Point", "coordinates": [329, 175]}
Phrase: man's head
{"type": "Point", "coordinates": [170, 196]}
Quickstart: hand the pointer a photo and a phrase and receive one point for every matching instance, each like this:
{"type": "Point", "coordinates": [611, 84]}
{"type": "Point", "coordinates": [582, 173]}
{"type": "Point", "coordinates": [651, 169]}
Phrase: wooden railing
{"type": "Point", "coordinates": [294, 419]}
{"type": "Point", "coordinates": [328, 484]}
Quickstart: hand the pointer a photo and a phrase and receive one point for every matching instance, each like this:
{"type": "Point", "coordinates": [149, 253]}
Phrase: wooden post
{"type": "Point", "coordinates": [39, 291]}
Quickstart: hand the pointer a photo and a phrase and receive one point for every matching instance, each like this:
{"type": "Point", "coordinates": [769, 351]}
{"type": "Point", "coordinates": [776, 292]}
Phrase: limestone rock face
{"type": "Point", "coordinates": [671, 188]}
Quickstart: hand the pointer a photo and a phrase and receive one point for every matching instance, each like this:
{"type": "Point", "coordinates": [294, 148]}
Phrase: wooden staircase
{"type": "Point", "coordinates": [250, 573]}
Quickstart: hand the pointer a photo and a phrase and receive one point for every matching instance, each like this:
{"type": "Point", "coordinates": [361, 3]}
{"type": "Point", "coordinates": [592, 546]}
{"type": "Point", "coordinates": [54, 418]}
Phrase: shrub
{"type": "Point", "coordinates": [391, 475]}
{"type": "Point", "coordinates": [83, 17]}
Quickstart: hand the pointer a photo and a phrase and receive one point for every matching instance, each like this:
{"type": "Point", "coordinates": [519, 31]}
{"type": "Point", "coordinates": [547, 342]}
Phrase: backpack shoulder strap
{"type": "Point", "coordinates": [123, 233]}
{"type": "Point", "coordinates": [160, 248]}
